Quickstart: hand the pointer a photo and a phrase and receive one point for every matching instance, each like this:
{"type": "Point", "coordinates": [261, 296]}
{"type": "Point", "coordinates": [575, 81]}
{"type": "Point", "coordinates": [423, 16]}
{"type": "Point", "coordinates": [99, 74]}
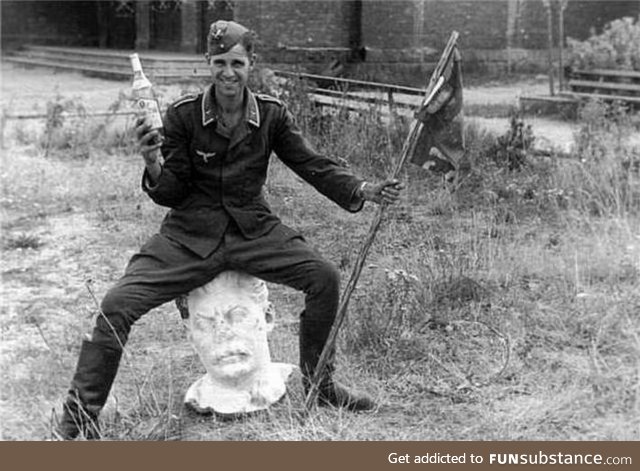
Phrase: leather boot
{"type": "Point", "coordinates": [94, 376]}
{"type": "Point", "coordinates": [330, 393]}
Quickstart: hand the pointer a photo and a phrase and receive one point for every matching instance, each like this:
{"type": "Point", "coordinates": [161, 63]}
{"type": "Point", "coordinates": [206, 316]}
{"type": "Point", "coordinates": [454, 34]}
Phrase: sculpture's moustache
{"type": "Point", "coordinates": [231, 355]}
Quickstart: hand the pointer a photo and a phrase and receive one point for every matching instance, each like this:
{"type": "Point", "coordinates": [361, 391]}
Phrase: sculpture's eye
{"type": "Point", "coordinates": [238, 315]}
{"type": "Point", "coordinates": [203, 323]}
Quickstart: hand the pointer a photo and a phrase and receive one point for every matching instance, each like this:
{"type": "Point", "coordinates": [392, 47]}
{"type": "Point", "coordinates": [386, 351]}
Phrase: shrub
{"type": "Point", "coordinates": [604, 179]}
{"type": "Point", "coordinates": [22, 241]}
{"type": "Point", "coordinates": [511, 149]}
{"type": "Point", "coordinates": [70, 130]}
{"type": "Point", "coordinates": [618, 47]}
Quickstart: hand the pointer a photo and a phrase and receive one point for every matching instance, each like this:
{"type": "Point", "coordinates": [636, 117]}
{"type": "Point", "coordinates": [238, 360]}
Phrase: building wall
{"type": "Point", "coordinates": [49, 22]}
{"type": "Point", "coordinates": [410, 30]}
{"type": "Point", "coordinates": [303, 31]}
{"type": "Point", "coordinates": [297, 23]}
{"type": "Point", "coordinates": [310, 34]}
{"type": "Point", "coordinates": [581, 19]}
{"type": "Point", "coordinates": [407, 30]}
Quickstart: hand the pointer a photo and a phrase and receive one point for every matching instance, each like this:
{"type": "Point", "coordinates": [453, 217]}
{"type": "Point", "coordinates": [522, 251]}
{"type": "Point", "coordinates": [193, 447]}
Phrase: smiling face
{"type": "Point", "coordinates": [229, 326]}
{"type": "Point", "coordinates": [230, 72]}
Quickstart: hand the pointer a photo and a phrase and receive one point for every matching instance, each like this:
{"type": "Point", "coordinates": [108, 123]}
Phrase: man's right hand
{"type": "Point", "coordinates": [149, 141]}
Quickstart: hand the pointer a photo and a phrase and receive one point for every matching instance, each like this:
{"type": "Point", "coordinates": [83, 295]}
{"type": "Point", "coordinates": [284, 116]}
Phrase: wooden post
{"type": "Point", "coordinates": [512, 19]}
{"type": "Point", "coordinates": [392, 103]}
{"type": "Point", "coordinates": [563, 5]}
{"type": "Point", "coordinates": [354, 13]}
{"type": "Point", "coordinates": [547, 4]}
{"type": "Point", "coordinates": [418, 30]}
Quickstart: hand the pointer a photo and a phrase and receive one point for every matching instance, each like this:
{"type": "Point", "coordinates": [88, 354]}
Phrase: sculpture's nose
{"type": "Point", "coordinates": [223, 329]}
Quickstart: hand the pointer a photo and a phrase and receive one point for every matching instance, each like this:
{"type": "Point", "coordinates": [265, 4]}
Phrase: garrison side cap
{"type": "Point", "coordinates": [223, 35]}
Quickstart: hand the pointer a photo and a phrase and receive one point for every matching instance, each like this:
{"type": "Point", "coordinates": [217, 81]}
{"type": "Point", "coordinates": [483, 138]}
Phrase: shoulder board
{"type": "Point", "coordinates": [185, 99]}
{"type": "Point", "coordinates": [269, 98]}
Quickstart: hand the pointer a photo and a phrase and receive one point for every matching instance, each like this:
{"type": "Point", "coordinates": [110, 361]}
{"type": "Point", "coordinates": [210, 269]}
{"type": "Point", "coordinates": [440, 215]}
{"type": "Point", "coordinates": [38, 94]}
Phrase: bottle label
{"type": "Point", "coordinates": [151, 110]}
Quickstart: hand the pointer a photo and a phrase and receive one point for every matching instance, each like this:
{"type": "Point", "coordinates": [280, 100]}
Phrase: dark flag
{"type": "Point", "coordinates": [440, 144]}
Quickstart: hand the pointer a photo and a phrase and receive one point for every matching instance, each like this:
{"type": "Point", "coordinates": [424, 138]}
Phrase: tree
{"type": "Point", "coordinates": [561, 6]}
{"type": "Point", "coordinates": [561, 9]}
{"type": "Point", "coordinates": [549, 8]}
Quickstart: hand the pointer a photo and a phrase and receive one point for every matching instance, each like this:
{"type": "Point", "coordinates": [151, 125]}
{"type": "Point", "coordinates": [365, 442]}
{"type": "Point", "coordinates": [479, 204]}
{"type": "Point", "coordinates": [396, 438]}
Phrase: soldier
{"type": "Point", "coordinates": [216, 149]}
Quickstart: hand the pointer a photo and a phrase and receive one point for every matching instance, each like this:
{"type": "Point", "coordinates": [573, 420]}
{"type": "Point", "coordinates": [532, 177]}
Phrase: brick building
{"type": "Point", "coordinates": [305, 31]}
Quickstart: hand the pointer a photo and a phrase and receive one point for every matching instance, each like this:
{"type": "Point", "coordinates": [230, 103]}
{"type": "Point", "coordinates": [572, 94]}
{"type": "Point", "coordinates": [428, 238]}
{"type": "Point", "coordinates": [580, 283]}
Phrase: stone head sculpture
{"type": "Point", "coordinates": [228, 320]}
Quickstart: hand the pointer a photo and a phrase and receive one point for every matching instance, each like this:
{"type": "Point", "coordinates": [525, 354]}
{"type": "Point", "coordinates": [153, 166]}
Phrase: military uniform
{"type": "Point", "coordinates": [219, 219]}
{"type": "Point", "coordinates": [209, 179]}
{"type": "Point", "coordinates": [212, 180]}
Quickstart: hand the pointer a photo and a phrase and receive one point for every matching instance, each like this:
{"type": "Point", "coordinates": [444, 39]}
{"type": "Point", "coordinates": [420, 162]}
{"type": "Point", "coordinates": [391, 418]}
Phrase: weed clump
{"type": "Point", "coordinates": [604, 177]}
{"type": "Point", "coordinates": [22, 241]}
{"type": "Point", "coordinates": [512, 148]}
{"type": "Point", "coordinates": [70, 130]}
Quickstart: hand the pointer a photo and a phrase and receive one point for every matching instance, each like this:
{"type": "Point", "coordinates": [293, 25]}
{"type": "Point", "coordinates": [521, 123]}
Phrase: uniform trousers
{"type": "Point", "coordinates": [164, 270]}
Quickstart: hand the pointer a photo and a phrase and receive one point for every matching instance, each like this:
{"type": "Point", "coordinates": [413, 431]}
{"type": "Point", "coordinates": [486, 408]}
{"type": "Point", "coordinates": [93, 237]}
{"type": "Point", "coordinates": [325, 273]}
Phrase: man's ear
{"type": "Point", "coordinates": [207, 58]}
{"type": "Point", "coordinates": [270, 317]}
{"type": "Point", "coordinates": [252, 60]}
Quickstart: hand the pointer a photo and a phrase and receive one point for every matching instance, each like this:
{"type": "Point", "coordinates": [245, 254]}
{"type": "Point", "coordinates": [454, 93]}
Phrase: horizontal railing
{"type": "Point", "coordinates": [610, 85]}
{"type": "Point", "coordinates": [356, 95]}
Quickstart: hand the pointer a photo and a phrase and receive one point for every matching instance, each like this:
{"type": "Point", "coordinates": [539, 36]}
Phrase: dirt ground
{"type": "Point", "coordinates": [48, 289]}
{"type": "Point", "coordinates": [28, 91]}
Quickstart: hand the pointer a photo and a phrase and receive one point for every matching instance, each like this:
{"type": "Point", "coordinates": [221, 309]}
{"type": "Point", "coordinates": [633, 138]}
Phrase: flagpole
{"type": "Point", "coordinates": [435, 83]}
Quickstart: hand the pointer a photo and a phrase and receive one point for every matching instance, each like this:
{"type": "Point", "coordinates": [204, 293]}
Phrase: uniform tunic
{"type": "Point", "coordinates": [219, 219]}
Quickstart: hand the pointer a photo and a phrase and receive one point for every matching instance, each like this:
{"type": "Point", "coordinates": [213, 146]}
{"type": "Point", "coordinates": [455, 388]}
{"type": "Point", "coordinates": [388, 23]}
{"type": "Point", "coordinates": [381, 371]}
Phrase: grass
{"type": "Point", "coordinates": [502, 306]}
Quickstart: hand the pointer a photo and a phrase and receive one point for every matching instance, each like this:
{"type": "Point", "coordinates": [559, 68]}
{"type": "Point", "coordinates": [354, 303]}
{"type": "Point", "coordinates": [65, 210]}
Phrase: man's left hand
{"type": "Point", "coordinates": [387, 192]}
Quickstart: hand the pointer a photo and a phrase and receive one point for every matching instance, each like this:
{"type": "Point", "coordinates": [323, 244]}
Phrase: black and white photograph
{"type": "Point", "coordinates": [321, 221]}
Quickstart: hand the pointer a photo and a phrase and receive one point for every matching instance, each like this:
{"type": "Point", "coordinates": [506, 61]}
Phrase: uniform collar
{"type": "Point", "coordinates": [251, 112]}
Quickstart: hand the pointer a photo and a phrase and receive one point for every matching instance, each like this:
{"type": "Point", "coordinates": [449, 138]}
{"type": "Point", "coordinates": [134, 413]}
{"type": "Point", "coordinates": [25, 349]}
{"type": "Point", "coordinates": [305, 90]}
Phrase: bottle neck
{"type": "Point", "coordinates": [140, 80]}
{"type": "Point", "coordinates": [135, 62]}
